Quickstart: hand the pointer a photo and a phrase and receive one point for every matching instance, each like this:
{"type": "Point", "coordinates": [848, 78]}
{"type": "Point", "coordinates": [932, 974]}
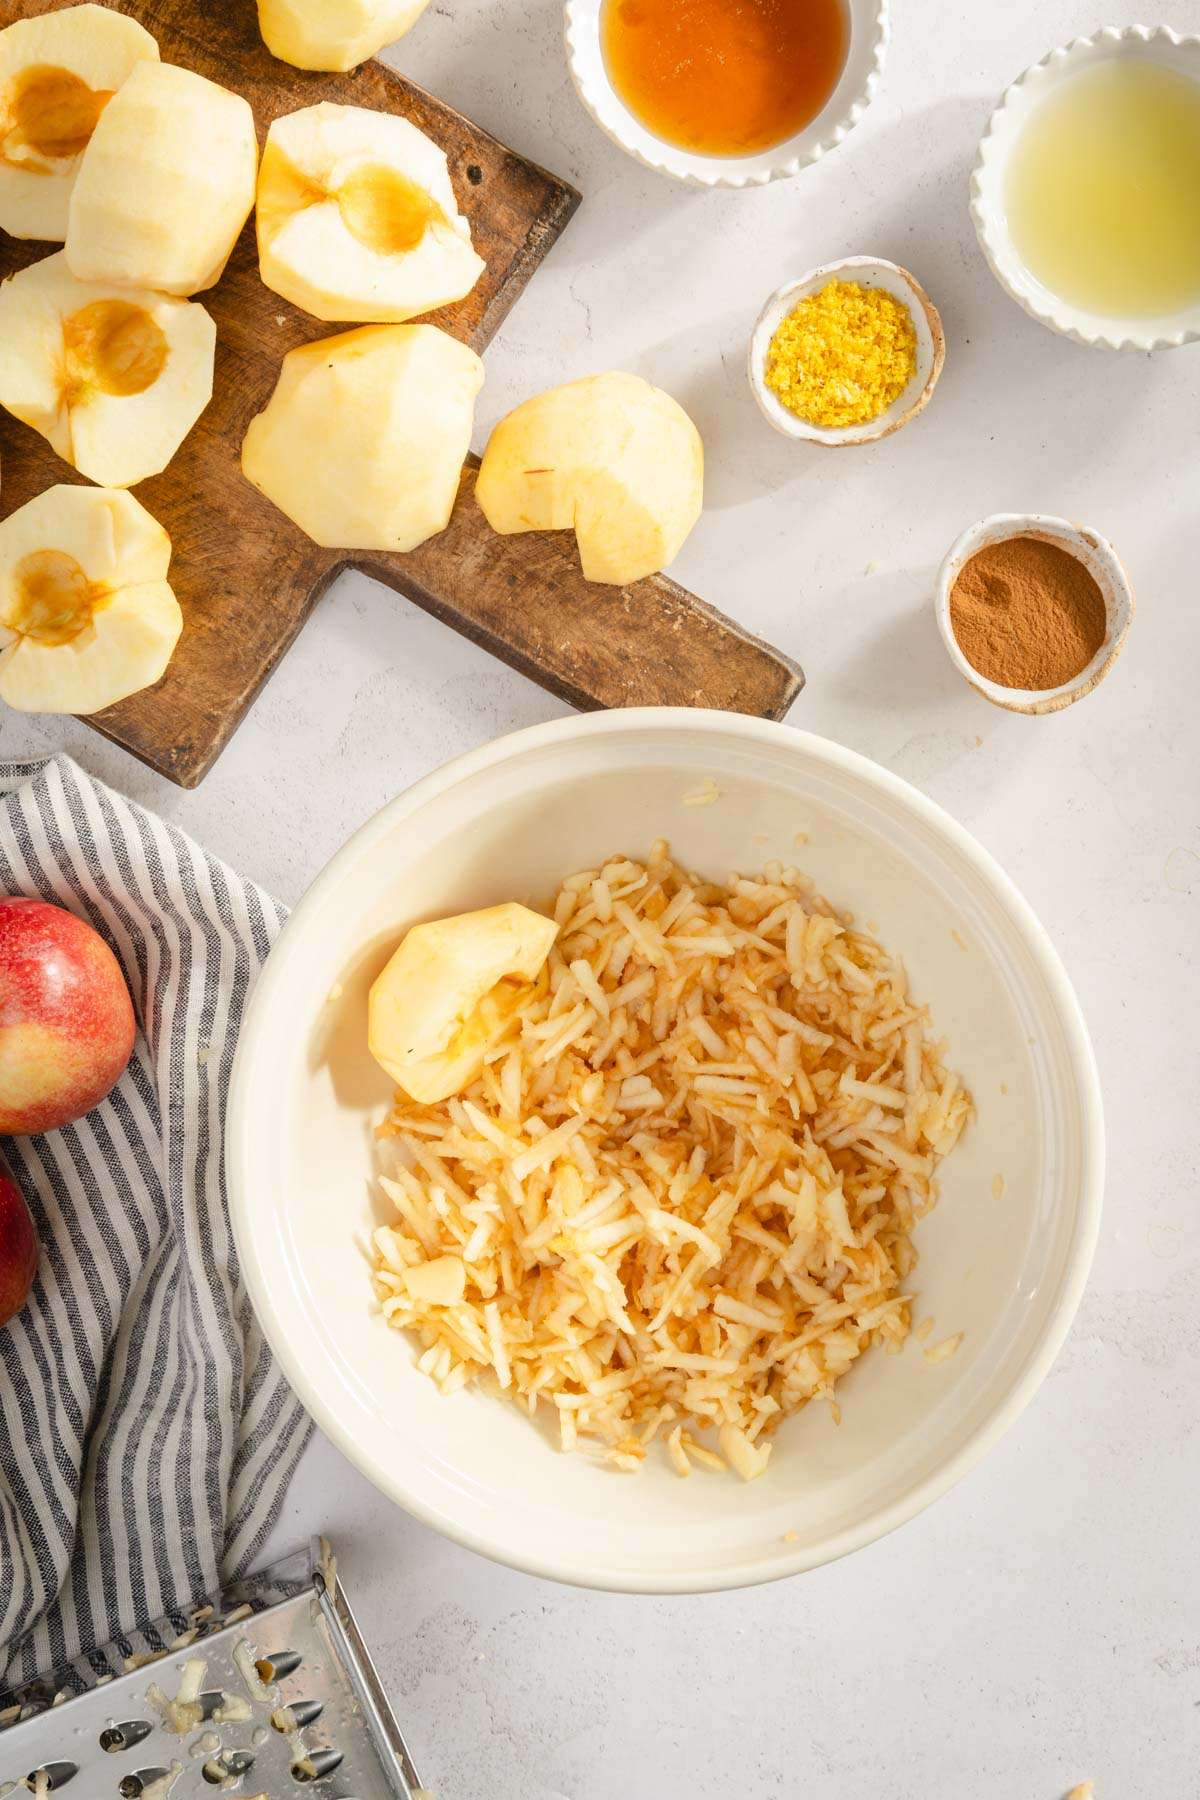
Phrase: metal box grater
{"type": "Point", "coordinates": [286, 1702]}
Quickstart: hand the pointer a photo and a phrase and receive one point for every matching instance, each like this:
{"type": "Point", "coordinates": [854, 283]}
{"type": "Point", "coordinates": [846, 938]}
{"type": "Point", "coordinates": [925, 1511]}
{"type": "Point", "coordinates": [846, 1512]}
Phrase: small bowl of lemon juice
{"type": "Point", "coordinates": [1086, 194]}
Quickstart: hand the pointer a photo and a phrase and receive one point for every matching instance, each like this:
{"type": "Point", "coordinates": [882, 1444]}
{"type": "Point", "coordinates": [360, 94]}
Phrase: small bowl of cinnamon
{"type": "Point", "coordinates": [1033, 610]}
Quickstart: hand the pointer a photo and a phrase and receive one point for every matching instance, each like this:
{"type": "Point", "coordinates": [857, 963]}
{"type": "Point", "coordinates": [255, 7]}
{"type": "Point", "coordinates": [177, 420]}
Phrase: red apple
{"type": "Point", "coordinates": [18, 1248]}
{"type": "Point", "coordinates": [66, 1019]}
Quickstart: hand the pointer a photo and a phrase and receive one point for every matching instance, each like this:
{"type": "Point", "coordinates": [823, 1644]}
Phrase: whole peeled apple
{"type": "Point", "coordinates": [363, 441]}
{"type": "Point", "coordinates": [18, 1248]}
{"type": "Point", "coordinates": [66, 1019]}
{"type": "Point", "coordinates": [334, 34]}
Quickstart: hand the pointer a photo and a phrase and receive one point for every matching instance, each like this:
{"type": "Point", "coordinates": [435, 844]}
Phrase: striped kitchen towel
{"type": "Point", "coordinates": [146, 1435]}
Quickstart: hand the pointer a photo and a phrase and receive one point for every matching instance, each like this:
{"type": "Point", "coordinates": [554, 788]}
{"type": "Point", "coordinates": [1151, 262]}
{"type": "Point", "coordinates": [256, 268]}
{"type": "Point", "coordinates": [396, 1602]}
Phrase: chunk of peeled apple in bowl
{"type": "Point", "coordinates": [612, 458]}
{"type": "Point", "coordinates": [448, 992]}
{"type": "Point", "coordinates": [66, 1019]}
{"type": "Point", "coordinates": [334, 34]}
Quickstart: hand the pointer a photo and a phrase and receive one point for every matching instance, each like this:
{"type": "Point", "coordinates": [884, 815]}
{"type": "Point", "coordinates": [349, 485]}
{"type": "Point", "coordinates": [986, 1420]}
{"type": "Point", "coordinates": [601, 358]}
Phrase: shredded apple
{"type": "Point", "coordinates": [678, 1198]}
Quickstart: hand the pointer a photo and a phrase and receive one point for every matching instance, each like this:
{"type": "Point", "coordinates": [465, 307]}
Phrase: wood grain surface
{"type": "Point", "coordinates": [247, 578]}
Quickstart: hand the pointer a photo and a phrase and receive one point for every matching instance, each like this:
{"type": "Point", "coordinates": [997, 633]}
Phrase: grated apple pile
{"type": "Point", "coordinates": [672, 1196]}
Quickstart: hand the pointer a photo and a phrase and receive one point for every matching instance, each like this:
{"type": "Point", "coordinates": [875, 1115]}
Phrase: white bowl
{"type": "Point", "coordinates": [1097, 556]}
{"type": "Point", "coordinates": [869, 32]}
{"type": "Point", "coordinates": [988, 183]}
{"type": "Point", "coordinates": [868, 271]}
{"type": "Point", "coordinates": [507, 822]}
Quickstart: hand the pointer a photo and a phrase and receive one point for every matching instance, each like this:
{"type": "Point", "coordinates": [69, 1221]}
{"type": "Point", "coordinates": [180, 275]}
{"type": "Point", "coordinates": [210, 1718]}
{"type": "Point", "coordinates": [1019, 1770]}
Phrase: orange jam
{"type": "Point", "coordinates": [724, 77]}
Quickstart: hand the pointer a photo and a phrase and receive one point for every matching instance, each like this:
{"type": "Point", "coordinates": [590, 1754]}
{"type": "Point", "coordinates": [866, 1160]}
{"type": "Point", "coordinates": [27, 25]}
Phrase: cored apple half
{"type": "Point", "coordinates": [58, 72]}
{"type": "Point", "coordinates": [357, 218]}
{"type": "Point", "coordinates": [113, 377]}
{"type": "Point", "coordinates": [86, 614]}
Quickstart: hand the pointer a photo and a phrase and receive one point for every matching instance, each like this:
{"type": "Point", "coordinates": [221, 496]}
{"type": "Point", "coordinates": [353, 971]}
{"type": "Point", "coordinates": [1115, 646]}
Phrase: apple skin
{"type": "Point", "coordinates": [18, 1248]}
{"type": "Point", "coordinates": [66, 1019]}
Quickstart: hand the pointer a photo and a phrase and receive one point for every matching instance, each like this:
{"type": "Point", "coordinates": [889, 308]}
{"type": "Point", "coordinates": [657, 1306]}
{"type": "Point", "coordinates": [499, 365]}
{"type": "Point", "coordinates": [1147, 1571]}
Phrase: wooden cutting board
{"type": "Point", "coordinates": [247, 578]}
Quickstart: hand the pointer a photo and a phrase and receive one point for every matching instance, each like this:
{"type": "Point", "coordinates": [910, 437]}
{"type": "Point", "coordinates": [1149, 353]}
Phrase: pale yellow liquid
{"type": "Point", "coordinates": [1103, 190]}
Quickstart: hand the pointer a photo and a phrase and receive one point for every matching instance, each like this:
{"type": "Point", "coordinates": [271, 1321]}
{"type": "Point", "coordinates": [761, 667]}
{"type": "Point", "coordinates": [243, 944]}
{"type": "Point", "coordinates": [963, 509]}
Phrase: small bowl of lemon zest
{"type": "Point", "coordinates": [847, 354]}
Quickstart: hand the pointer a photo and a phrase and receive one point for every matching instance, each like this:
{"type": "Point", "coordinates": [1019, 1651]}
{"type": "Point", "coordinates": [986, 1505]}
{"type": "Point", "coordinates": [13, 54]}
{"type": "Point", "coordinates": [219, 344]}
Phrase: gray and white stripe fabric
{"type": "Point", "coordinates": [147, 1437]}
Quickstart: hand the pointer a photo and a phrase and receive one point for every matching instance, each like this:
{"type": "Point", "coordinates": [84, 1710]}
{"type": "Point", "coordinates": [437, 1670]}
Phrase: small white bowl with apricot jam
{"type": "Point", "coordinates": [726, 93]}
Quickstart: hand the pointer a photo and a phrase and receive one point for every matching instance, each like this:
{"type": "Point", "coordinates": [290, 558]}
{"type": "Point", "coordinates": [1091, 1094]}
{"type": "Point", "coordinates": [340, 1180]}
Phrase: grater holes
{"type": "Point", "coordinates": [210, 1702]}
{"type": "Point", "coordinates": [296, 1715]}
{"type": "Point", "coordinates": [57, 1775]}
{"type": "Point", "coordinates": [36, 1697]}
{"type": "Point", "coordinates": [227, 1765]}
{"type": "Point", "coordinates": [276, 1666]}
{"type": "Point", "coordinates": [134, 1786]}
{"type": "Point", "coordinates": [314, 1765]}
{"type": "Point", "coordinates": [116, 1738]}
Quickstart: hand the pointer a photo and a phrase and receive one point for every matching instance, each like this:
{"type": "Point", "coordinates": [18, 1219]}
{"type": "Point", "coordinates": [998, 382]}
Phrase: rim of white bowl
{"type": "Point", "coordinates": [987, 204]}
{"type": "Point", "coordinates": [908, 405]}
{"type": "Point", "coordinates": [581, 27]}
{"type": "Point", "coordinates": [272, 985]}
{"type": "Point", "coordinates": [1097, 556]}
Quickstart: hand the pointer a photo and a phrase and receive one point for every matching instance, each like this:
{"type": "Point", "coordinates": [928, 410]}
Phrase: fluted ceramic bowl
{"type": "Point", "coordinates": [989, 181]}
{"type": "Point", "coordinates": [869, 32]}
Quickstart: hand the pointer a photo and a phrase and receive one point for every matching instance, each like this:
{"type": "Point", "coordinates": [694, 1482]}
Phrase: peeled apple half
{"type": "Point", "coordinates": [357, 218]}
{"type": "Point", "coordinates": [448, 992]}
{"type": "Point", "coordinates": [58, 72]}
{"type": "Point", "coordinates": [86, 615]}
{"type": "Point", "coordinates": [114, 377]}
{"type": "Point", "coordinates": [333, 34]}
{"type": "Point", "coordinates": [611, 458]}
{"type": "Point", "coordinates": [165, 185]}
{"type": "Point", "coordinates": [363, 441]}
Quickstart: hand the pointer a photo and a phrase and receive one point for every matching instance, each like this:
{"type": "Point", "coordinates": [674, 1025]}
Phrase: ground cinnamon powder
{"type": "Point", "coordinates": [1027, 614]}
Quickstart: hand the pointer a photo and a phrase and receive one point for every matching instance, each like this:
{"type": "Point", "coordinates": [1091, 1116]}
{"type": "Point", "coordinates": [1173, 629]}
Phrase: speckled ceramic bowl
{"type": "Point", "coordinates": [868, 271]}
{"type": "Point", "coordinates": [856, 85]}
{"type": "Point", "coordinates": [1097, 556]}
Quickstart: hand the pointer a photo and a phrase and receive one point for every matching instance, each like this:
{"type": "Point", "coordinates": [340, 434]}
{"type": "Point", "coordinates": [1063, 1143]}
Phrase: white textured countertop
{"type": "Point", "coordinates": [1041, 1625]}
